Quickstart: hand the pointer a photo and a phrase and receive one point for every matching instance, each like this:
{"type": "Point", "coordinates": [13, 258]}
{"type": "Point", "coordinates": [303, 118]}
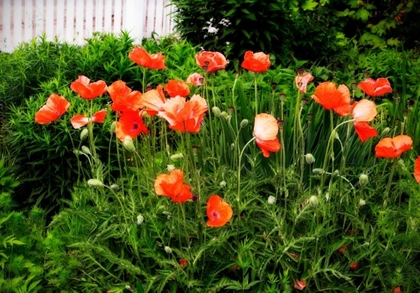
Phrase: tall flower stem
{"type": "Point", "coordinates": [256, 94]}
{"type": "Point", "coordinates": [388, 186]}
{"type": "Point", "coordinates": [238, 195]}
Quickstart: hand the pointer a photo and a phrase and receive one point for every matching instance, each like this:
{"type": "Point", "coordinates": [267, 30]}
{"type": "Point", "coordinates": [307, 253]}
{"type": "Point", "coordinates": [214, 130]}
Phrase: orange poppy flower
{"type": "Point", "coordinates": [332, 98]}
{"type": "Point", "coordinates": [417, 170]}
{"type": "Point", "coordinates": [393, 147]}
{"type": "Point", "coordinates": [153, 100]}
{"type": "Point", "coordinates": [184, 116]}
{"type": "Point", "coordinates": [265, 132]}
{"type": "Point", "coordinates": [173, 186]}
{"type": "Point", "coordinates": [142, 58]}
{"type": "Point", "coordinates": [79, 120]}
{"type": "Point", "coordinates": [130, 124]}
{"type": "Point", "coordinates": [299, 285]}
{"type": "Point", "coordinates": [364, 111]}
{"type": "Point", "coordinates": [375, 88]}
{"type": "Point", "coordinates": [177, 88]}
{"type": "Point", "coordinates": [302, 81]}
{"type": "Point", "coordinates": [123, 98]}
{"type": "Point", "coordinates": [218, 211]}
{"type": "Point", "coordinates": [55, 107]}
{"type": "Point", "coordinates": [256, 62]}
{"type": "Point", "coordinates": [196, 79]}
{"type": "Point", "coordinates": [86, 89]}
{"type": "Point", "coordinates": [211, 61]}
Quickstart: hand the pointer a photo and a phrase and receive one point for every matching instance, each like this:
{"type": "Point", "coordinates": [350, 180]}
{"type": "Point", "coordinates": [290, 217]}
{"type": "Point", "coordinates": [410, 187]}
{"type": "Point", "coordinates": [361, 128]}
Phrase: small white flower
{"type": "Point", "coordinates": [170, 168]}
{"type": "Point", "coordinates": [271, 199]}
{"type": "Point", "coordinates": [222, 184]}
{"type": "Point", "coordinates": [168, 249]}
{"type": "Point", "coordinates": [140, 219]}
{"type": "Point", "coordinates": [362, 202]}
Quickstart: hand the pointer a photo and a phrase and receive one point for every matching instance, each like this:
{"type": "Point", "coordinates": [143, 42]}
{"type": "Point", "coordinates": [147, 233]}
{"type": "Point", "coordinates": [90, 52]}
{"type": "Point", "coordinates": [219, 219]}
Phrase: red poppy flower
{"type": "Point", "coordinates": [130, 124]}
{"type": "Point", "coordinates": [299, 285]}
{"type": "Point", "coordinates": [177, 88]}
{"type": "Point", "coordinates": [364, 111]}
{"type": "Point", "coordinates": [265, 132]}
{"type": "Point", "coordinates": [332, 98]}
{"type": "Point", "coordinates": [86, 89]}
{"type": "Point", "coordinates": [393, 147]}
{"type": "Point", "coordinates": [79, 120]}
{"type": "Point", "coordinates": [196, 79]}
{"type": "Point", "coordinates": [375, 88]}
{"type": "Point", "coordinates": [153, 101]}
{"type": "Point", "coordinates": [123, 98]}
{"type": "Point", "coordinates": [218, 211]}
{"type": "Point", "coordinates": [396, 290]}
{"type": "Point", "coordinates": [342, 249]}
{"type": "Point", "coordinates": [184, 116]}
{"type": "Point", "coordinates": [55, 107]}
{"type": "Point", "coordinates": [173, 186]}
{"type": "Point", "coordinates": [417, 170]}
{"type": "Point", "coordinates": [183, 262]}
{"type": "Point", "coordinates": [302, 81]}
{"type": "Point", "coordinates": [256, 62]}
{"type": "Point", "coordinates": [354, 265]}
{"type": "Point", "coordinates": [142, 58]}
{"type": "Point", "coordinates": [211, 61]}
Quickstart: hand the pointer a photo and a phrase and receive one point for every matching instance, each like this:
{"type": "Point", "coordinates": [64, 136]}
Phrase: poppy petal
{"type": "Point", "coordinates": [365, 131]}
{"type": "Point", "coordinates": [99, 117]}
{"type": "Point", "coordinates": [417, 170]}
{"type": "Point", "coordinates": [78, 121]}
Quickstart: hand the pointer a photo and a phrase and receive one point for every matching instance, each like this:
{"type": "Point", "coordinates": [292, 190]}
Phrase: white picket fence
{"type": "Point", "coordinates": [74, 20]}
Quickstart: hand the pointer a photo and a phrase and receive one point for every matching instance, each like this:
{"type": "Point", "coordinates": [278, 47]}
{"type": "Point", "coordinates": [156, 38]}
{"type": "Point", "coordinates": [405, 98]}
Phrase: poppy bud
{"type": "Point", "coordinates": [313, 200]}
{"type": "Point", "coordinates": [317, 171]}
{"type": "Point", "coordinates": [86, 150]}
{"type": "Point", "coordinates": [84, 134]}
{"type": "Point", "coordinates": [170, 168]}
{"type": "Point", "coordinates": [112, 127]}
{"type": "Point", "coordinates": [168, 249]}
{"type": "Point", "coordinates": [310, 159]}
{"type": "Point", "coordinates": [95, 182]}
{"type": "Point", "coordinates": [386, 131]}
{"type": "Point", "coordinates": [363, 179]}
{"type": "Point", "coordinates": [128, 144]}
{"type": "Point", "coordinates": [177, 156]}
{"type": "Point", "coordinates": [225, 115]}
{"type": "Point", "coordinates": [216, 111]}
{"type": "Point", "coordinates": [77, 152]}
{"type": "Point", "coordinates": [140, 219]}
{"type": "Point", "coordinates": [271, 200]}
{"type": "Point", "coordinates": [114, 187]}
{"type": "Point", "coordinates": [244, 123]}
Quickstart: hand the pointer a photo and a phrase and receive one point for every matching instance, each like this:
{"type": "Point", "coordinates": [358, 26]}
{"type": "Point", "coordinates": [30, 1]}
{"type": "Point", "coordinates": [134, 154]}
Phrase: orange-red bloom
{"type": "Point", "coordinates": [393, 147]}
{"type": "Point", "coordinates": [86, 89]}
{"type": "Point", "coordinates": [123, 98]}
{"type": "Point", "coordinates": [332, 98]}
{"type": "Point", "coordinates": [130, 124]}
{"type": "Point", "coordinates": [302, 81]}
{"type": "Point", "coordinates": [375, 88]}
{"type": "Point", "coordinates": [153, 100]}
{"type": "Point", "coordinates": [142, 58]}
{"type": "Point", "coordinates": [177, 88]}
{"type": "Point", "coordinates": [211, 61]}
{"type": "Point", "coordinates": [173, 186]}
{"type": "Point", "coordinates": [196, 79]}
{"type": "Point", "coordinates": [55, 107]}
{"type": "Point", "coordinates": [80, 120]}
{"type": "Point", "coordinates": [417, 169]}
{"type": "Point", "coordinates": [184, 116]}
{"type": "Point", "coordinates": [218, 211]}
{"type": "Point", "coordinates": [265, 132]}
{"type": "Point", "coordinates": [363, 112]}
{"type": "Point", "coordinates": [299, 285]}
{"type": "Point", "coordinates": [256, 62]}
{"type": "Point", "coordinates": [183, 262]}
{"type": "Point", "coordinates": [396, 290]}
{"type": "Point", "coordinates": [354, 265]}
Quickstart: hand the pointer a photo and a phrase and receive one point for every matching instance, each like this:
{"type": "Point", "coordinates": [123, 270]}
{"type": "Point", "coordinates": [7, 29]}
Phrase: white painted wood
{"type": "Point", "coordinates": [69, 24]}
{"type": "Point", "coordinates": [108, 9]}
{"type": "Point", "coordinates": [28, 19]}
{"type": "Point", "coordinates": [17, 22]}
{"type": "Point", "coordinates": [60, 9]}
{"type": "Point", "coordinates": [80, 20]}
{"type": "Point", "coordinates": [99, 14]}
{"type": "Point", "coordinates": [6, 36]}
{"type": "Point", "coordinates": [118, 8]}
{"type": "Point", "coordinates": [133, 15]}
{"type": "Point", "coordinates": [50, 19]}
{"type": "Point", "coordinates": [39, 18]}
{"type": "Point", "coordinates": [89, 17]}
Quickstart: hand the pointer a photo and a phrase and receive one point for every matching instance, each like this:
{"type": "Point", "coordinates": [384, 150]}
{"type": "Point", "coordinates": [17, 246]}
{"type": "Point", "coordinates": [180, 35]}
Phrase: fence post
{"type": "Point", "coordinates": [134, 16]}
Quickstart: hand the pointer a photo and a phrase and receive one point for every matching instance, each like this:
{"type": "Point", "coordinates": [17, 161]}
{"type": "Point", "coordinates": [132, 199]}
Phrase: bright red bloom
{"type": "Point", "coordinates": [393, 147]}
{"type": "Point", "coordinates": [364, 111]}
{"type": "Point", "coordinates": [183, 262]}
{"type": "Point", "coordinates": [123, 98]}
{"type": "Point", "coordinates": [196, 79]}
{"type": "Point", "coordinates": [365, 131]}
{"type": "Point", "coordinates": [218, 211]}
{"type": "Point", "coordinates": [173, 186]}
{"type": "Point", "coordinates": [153, 101]}
{"type": "Point", "coordinates": [396, 290]}
{"type": "Point", "coordinates": [142, 58]}
{"type": "Point", "coordinates": [302, 81]}
{"type": "Point", "coordinates": [265, 132]}
{"type": "Point", "coordinates": [177, 88]}
{"type": "Point", "coordinates": [375, 88]}
{"type": "Point", "coordinates": [354, 265]}
{"type": "Point", "coordinates": [417, 169]}
{"type": "Point", "coordinates": [184, 116]}
{"type": "Point", "coordinates": [299, 285]}
{"type": "Point", "coordinates": [55, 107]}
{"type": "Point", "coordinates": [256, 62]}
{"type": "Point", "coordinates": [79, 120]}
{"type": "Point", "coordinates": [130, 124]}
{"type": "Point", "coordinates": [211, 61]}
{"type": "Point", "coordinates": [86, 89]}
{"type": "Point", "coordinates": [332, 98]}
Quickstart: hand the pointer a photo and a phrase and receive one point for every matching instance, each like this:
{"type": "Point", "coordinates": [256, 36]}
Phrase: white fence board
{"type": "Point", "coordinates": [75, 20]}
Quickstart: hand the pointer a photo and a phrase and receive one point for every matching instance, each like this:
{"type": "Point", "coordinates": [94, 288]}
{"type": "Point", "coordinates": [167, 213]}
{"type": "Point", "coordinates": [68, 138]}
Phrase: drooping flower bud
{"type": "Point", "coordinates": [177, 156]}
{"type": "Point", "coordinates": [309, 158]}
{"type": "Point", "coordinates": [140, 219]}
{"type": "Point", "coordinates": [244, 123]}
{"type": "Point", "coordinates": [313, 200]}
{"type": "Point", "coordinates": [86, 150]}
{"type": "Point", "coordinates": [168, 249]}
{"type": "Point", "coordinates": [216, 111]}
{"type": "Point", "coordinates": [128, 144]}
{"type": "Point", "coordinates": [363, 179]}
{"type": "Point", "coordinates": [95, 182]}
{"type": "Point", "coordinates": [271, 199]}
{"type": "Point", "coordinates": [84, 134]}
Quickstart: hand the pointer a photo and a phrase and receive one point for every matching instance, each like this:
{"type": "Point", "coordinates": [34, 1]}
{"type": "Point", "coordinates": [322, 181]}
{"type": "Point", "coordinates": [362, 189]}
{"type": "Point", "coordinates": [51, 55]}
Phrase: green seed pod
{"type": "Point", "coordinates": [309, 158]}
{"type": "Point", "coordinates": [363, 179]}
{"type": "Point", "coordinates": [244, 123]}
{"type": "Point", "coordinates": [216, 111]}
{"type": "Point", "coordinates": [128, 144]}
{"type": "Point", "coordinates": [84, 134]}
{"type": "Point", "coordinates": [86, 150]}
